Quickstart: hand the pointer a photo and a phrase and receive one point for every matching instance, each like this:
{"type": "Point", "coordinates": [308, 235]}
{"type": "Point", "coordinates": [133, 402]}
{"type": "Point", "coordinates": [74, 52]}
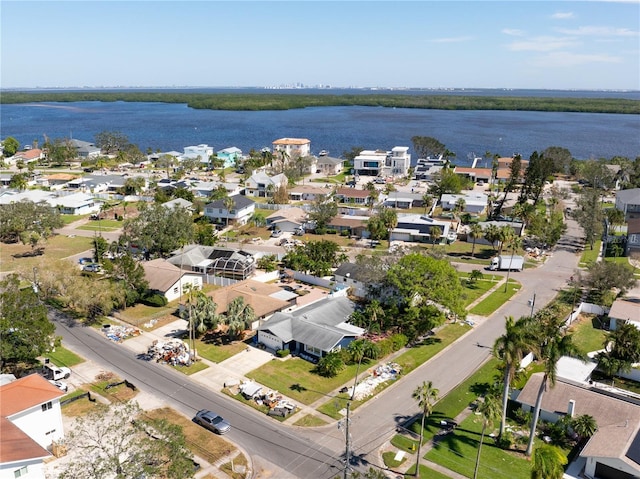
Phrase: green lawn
{"type": "Point", "coordinates": [421, 353]}
{"type": "Point", "coordinates": [475, 290]}
{"type": "Point", "coordinates": [457, 452]}
{"type": "Point", "coordinates": [194, 368]}
{"type": "Point", "coordinates": [102, 225]}
{"type": "Point", "coordinates": [425, 472]}
{"type": "Point", "coordinates": [587, 334]}
{"type": "Point", "coordinates": [589, 255]}
{"type": "Point", "coordinates": [496, 299]}
{"type": "Point", "coordinates": [56, 247]}
{"type": "Point", "coordinates": [295, 379]}
{"type": "Point", "coordinates": [219, 352]}
{"type": "Point", "coordinates": [63, 357]}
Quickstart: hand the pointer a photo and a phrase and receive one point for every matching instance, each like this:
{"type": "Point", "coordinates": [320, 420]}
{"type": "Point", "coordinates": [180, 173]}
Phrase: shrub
{"type": "Point", "coordinates": [154, 300]}
{"type": "Point", "coordinates": [398, 341]}
{"type": "Point", "coordinates": [282, 353]}
{"type": "Point", "coordinates": [330, 365]}
{"type": "Point", "coordinates": [332, 232]}
{"type": "Point", "coordinates": [506, 440]}
{"type": "Point", "coordinates": [344, 233]}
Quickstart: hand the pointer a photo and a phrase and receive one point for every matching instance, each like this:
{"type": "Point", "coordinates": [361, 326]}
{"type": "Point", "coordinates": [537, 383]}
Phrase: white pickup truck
{"type": "Point", "coordinates": [55, 373]}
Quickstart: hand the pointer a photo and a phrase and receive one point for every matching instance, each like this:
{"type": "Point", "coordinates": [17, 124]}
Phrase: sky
{"type": "Point", "coordinates": [590, 45]}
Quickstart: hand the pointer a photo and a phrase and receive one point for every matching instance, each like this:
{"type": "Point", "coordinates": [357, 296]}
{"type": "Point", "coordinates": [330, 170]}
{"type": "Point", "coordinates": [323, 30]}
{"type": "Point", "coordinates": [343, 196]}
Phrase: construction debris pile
{"type": "Point", "coordinates": [277, 404]}
{"type": "Point", "coordinates": [173, 351]}
{"type": "Point", "coordinates": [381, 374]}
{"type": "Point", "coordinates": [118, 333]}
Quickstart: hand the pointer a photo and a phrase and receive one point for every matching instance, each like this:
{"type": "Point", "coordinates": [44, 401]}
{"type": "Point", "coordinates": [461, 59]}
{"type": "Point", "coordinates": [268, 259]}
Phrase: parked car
{"type": "Point", "coordinates": [276, 233]}
{"type": "Point", "coordinates": [380, 181]}
{"type": "Point", "coordinates": [92, 268]}
{"type": "Point", "coordinates": [62, 386]}
{"type": "Point", "coordinates": [212, 421]}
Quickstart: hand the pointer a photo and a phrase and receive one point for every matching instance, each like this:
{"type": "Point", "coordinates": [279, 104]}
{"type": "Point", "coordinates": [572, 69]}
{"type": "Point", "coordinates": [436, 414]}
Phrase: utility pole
{"type": "Point", "coordinates": [347, 452]}
{"type": "Point", "coordinates": [533, 303]}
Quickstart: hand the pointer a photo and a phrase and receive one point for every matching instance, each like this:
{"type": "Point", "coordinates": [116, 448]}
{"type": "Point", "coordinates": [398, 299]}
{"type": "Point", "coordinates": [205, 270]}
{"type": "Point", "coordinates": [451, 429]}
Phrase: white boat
{"type": "Point", "coordinates": [323, 153]}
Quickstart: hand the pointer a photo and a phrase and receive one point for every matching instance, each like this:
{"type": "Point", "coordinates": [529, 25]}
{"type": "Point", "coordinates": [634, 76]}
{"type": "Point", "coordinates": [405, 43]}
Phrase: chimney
{"type": "Point", "coordinates": [572, 407]}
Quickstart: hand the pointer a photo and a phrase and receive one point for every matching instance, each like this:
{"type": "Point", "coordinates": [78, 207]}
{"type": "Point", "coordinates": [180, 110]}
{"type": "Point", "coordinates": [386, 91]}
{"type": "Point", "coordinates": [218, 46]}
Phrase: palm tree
{"type": "Point", "coordinates": [505, 233]}
{"type": "Point", "coordinates": [492, 235]}
{"type": "Point", "coordinates": [375, 311]}
{"type": "Point", "coordinates": [427, 397]}
{"type": "Point", "coordinates": [427, 201]}
{"type": "Point", "coordinates": [552, 344]}
{"type": "Point", "coordinates": [510, 349]}
{"type": "Point", "coordinates": [239, 316]}
{"type": "Point", "coordinates": [389, 219]}
{"type": "Point", "coordinates": [548, 463]}
{"type": "Point", "coordinates": [584, 426]}
{"type": "Point", "coordinates": [475, 232]}
{"type": "Point", "coordinates": [489, 409]}
{"type": "Point", "coordinates": [228, 205]}
{"type": "Point", "coordinates": [436, 233]}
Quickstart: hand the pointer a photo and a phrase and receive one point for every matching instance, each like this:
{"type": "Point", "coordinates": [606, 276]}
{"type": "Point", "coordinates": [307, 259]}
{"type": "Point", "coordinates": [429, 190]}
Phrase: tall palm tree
{"type": "Point", "coordinates": [510, 349]}
{"type": "Point", "coordinates": [548, 463]}
{"type": "Point", "coordinates": [240, 315]}
{"type": "Point", "coordinates": [389, 218]}
{"type": "Point", "coordinates": [427, 397]}
{"type": "Point", "coordinates": [505, 233]}
{"type": "Point", "coordinates": [427, 201]}
{"type": "Point", "coordinates": [489, 410]}
{"type": "Point", "coordinates": [228, 205]}
{"type": "Point", "coordinates": [475, 232]}
{"type": "Point", "coordinates": [436, 233]}
{"type": "Point", "coordinates": [492, 235]}
{"type": "Point", "coordinates": [375, 311]}
{"type": "Point", "coordinates": [552, 344]}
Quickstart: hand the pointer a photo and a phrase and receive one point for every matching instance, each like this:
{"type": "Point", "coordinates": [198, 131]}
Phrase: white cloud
{"type": "Point", "coordinates": [562, 15]}
{"type": "Point", "coordinates": [568, 59]}
{"type": "Point", "coordinates": [513, 32]}
{"type": "Point", "coordinates": [599, 31]}
{"type": "Point", "coordinates": [543, 44]}
{"type": "Point", "coordinates": [451, 40]}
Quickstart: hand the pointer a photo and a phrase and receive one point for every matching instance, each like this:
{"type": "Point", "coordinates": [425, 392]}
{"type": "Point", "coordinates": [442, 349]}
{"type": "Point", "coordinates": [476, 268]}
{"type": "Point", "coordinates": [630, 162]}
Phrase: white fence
{"type": "Point", "coordinates": [588, 308]}
{"type": "Point", "coordinates": [316, 281]}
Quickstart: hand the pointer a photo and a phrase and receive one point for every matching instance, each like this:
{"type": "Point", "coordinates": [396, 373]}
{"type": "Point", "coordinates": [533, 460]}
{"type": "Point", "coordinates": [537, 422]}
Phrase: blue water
{"type": "Point", "coordinates": [168, 127]}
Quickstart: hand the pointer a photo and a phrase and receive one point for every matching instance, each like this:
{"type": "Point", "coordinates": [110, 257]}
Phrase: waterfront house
{"type": "Point", "coordinates": [230, 156]}
{"type": "Point", "coordinates": [27, 156]}
{"type": "Point", "coordinates": [85, 149]}
{"type": "Point", "coordinates": [242, 209]}
{"type": "Point", "coordinates": [477, 175]}
{"type": "Point", "coordinates": [292, 147]}
{"type": "Point", "coordinates": [329, 166]}
{"type": "Point", "coordinates": [370, 163]}
{"type": "Point", "coordinates": [201, 152]}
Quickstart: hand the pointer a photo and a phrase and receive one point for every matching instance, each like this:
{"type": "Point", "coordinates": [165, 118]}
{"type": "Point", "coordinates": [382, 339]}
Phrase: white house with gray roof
{"type": "Point", "coordinates": [261, 185]}
{"type": "Point", "coordinates": [314, 330]}
{"type": "Point", "coordinates": [418, 228]}
{"type": "Point", "coordinates": [628, 201]}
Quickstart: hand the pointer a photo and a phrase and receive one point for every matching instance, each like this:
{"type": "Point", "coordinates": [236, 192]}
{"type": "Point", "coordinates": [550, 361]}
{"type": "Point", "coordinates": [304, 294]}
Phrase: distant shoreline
{"type": "Point", "coordinates": [260, 101]}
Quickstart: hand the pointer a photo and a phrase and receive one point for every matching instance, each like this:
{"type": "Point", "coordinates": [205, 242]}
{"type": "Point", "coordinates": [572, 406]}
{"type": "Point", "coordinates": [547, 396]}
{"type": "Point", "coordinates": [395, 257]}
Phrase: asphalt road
{"type": "Point", "coordinates": [317, 453]}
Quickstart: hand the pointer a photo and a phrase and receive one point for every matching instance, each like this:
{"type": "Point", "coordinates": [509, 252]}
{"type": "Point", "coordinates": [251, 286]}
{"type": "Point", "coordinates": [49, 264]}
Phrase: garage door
{"type": "Point", "coordinates": [269, 340]}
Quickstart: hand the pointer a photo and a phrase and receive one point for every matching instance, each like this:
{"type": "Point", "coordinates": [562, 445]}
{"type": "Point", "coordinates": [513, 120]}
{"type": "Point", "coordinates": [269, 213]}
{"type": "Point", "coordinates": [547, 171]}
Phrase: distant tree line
{"type": "Point", "coordinates": [284, 101]}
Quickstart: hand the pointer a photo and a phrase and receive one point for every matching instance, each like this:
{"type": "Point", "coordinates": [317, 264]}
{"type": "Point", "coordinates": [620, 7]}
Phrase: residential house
{"type": "Point", "coordinates": [240, 213]}
{"type": "Point", "coordinates": [30, 421]}
{"type": "Point", "coordinates": [169, 280]}
{"type": "Point", "coordinates": [212, 260]}
{"type": "Point", "coordinates": [400, 160]}
{"type": "Point", "coordinates": [353, 195]}
{"type": "Point", "coordinates": [474, 203]}
{"type": "Point", "coordinates": [308, 193]}
{"type": "Point", "coordinates": [329, 166]}
{"type": "Point", "coordinates": [516, 226]}
{"type": "Point", "coordinates": [71, 204]}
{"type": "Point", "coordinates": [85, 149]}
{"type": "Point", "coordinates": [624, 310]}
{"type": "Point", "coordinates": [261, 185]}
{"type": "Point", "coordinates": [287, 219]}
{"type": "Point", "coordinates": [292, 147]}
{"type": "Point", "coordinates": [202, 152]}
{"type": "Point", "coordinates": [27, 156]}
{"type": "Point", "coordinates": [101, 183]}
{"type": "Point", "coordinates": [314, 330]}
{"type": "Point", "coordinates": [427, 168]}
{"type": "Point", "coordinates": [351, 276]}
{"type": "Point", "coordinates": [371, 163]}
{"type": "Point", "coordinates": [418, 228]}
{"type": "Point", "coordinates": [230, 156]}
{"type": "Point", "coordinates": [58, 181]}
{"type": "Point", "coordinates": [402, 200]}
{"type": "Point", "coordinates": [504, 168]}
{"type": "Point", "coordinates": [353, 225]}
{"type": "Point", "coordinates": [264, 298]}
{"type": "Point", "coordinates": [477, 175]}
{"type": "Point", "coordinates": [613, 452]}
{"type": "Point", "coordinates": [628, 201]}
{"type": "Point", "coordinates": [204, 189]}
{"type": "Point", "coordinates": [633, 238]}
{"type": "Point", "coordinates": [178, 203]}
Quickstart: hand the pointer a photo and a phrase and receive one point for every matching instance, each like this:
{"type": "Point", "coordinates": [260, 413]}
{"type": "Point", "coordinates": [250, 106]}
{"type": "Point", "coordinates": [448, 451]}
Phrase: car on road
{"type": "Point", "coordinates": [212, 421]}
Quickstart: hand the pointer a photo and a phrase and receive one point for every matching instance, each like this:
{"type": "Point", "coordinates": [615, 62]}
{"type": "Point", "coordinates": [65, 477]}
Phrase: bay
{"type": "Point", "coordinates": [167, 127]}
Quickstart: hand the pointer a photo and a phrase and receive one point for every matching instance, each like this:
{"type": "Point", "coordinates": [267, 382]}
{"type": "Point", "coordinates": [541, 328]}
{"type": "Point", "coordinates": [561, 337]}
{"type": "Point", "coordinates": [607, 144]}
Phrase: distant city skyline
{"type": "Point", "coordinates": [565, 45]}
